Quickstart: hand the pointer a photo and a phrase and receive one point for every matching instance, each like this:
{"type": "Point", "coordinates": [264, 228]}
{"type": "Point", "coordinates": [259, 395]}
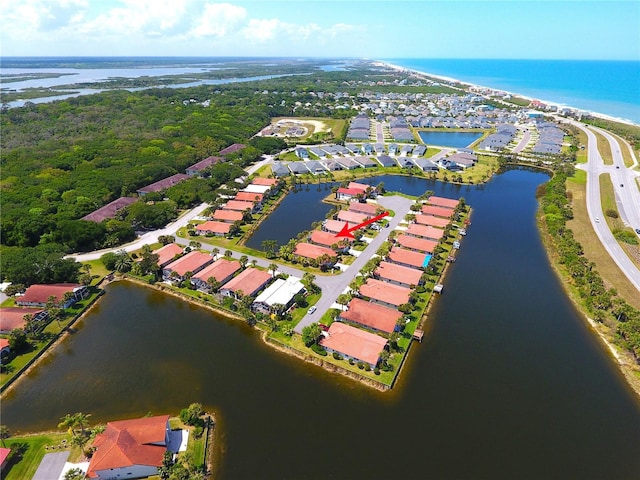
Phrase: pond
{"type": "Point", "coordinates": [449, 139]}
{"type": "Point", "coordinates": [509, 382]}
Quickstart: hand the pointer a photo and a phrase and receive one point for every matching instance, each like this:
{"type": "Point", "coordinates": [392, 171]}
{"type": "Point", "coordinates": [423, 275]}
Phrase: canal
{"type": "Point", "coordinates": [509, 383]}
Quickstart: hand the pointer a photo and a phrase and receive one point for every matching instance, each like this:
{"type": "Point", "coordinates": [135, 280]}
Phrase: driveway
{"type": "Point", "coordinates": [51, 466]}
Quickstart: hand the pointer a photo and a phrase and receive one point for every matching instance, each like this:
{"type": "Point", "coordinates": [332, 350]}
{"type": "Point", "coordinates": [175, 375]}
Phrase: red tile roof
{"type": "Point", "coordinates": [214, 227]}
{"type": "Point", "coordinates": [268, 182]}
{"type": "Point", "coordinates": [309, 250]}
{"type": "Point", "coordinates": [221, 269]}
{"type": "Point", "coordinates": [437, 211]}
{"type": "Point", "coordinates": [13, 317]}
{"type": "Point", "coordinates": [335, 225]}
{"type": "Point", "coordinates": [109, 210]}
{"type": "Point", "coordinates": [4, 452]}
{"type": "Point", "coordinates": [359, 186]}
{"type": "Point", "coordinates": [431, 220]}
{"type": "Point", "coordinates": [41, 293]}
{"type": "Point", "coordinates": [167, 253]}
{"type": "Point", "coordinates": [354, 342]}
{"type": "Point", "coordinates": [349, 191]}
{"type": "Point", "coordinates": [366, 208]}
{"type": "Point", "coordinates": [352, 217]}
{"type": "Point", "coordinates": [129, 442]}
{"type": "Point", "coordinates": [227, 216]}
{"type": "Point", "coordinates": [372, 315]}
{"type": "Point", "coordinates": [406, 257]}
{"type": "Point", "coordinates": [248, 282]}
{"type": "Point", "coordinates": [249, 197]}
{"type": "Point", "coordinates": [202, 164]}
{"type": "Point", "coordinates": [398, 273]}
{"type": "Point", "coordinates": [238, 205]}
{"type": "Point", "coordinates": [385, 292]}
{"type": "Point", "coordinates": [443, 202]}
{"type": "Point", "coordinates": [232, 149]}
{"type": "Point", "coordinates": [415, 243]}
{"type": "Point", "coordinates": [324, 238]}
{"type": "Point", "coordinates": [164, 183]}
{"type": "Point", "coordinates": [4, 343]}
{"type": "Point", "coordinates": [192, 262]}
{"type": "Point", "coordinates": [425, 231]}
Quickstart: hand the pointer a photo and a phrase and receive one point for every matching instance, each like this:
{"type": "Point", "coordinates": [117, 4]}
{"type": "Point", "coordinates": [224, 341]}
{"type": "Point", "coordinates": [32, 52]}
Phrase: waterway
{"type": "Point", "coordinates": [508, 383]}
{"type": "Point", "coordinates": [449, 139]}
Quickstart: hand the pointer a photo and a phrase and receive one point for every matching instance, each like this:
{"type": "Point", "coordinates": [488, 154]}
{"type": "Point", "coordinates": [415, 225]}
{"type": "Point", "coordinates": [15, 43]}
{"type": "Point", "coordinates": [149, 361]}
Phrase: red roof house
{"type": "Point", "coordinates": [366, 208]}
{"type": "Point", "coordinates": [163, 184]}
{"type": "Point", "coordinates": [249, 197]}
{"type": "Point", "coordinates": [432, 221]}
{"type": "Point", "coordinates": [109, 210]}
{"type": "Point", "coordinates": [416, 244]}
{"type": "Point", "coordinates": [217, 228]}
{"type": "Point", "coordinates": [267, 182]}
{"type": "Point", "coordinates": [238, 206]}
{"type": "Point", "coordinates": [385, 293]}
{"type": "Point", "coordinates": [407, 258]}
{"type": "Point", "coordinates": [4, 456]}
{"type": "Point", "coordinates": [359, 186]}
{"type": "Point", "coordinates": [398, 274]}
{"type": "Point", "coordinates": [354, 343]}
{"type": "Point", "coordinates": [352, 217]}
{"type": "Point", "coordinates": [222, 270]}
{"type": "Point", "coordinates": [5, 349]}
{"type": "Point", "coordinates": [38, 295]}
{"type": "Point", "coordinates": [437, 211]}
{"type": "Point", "coordinates": [347, 193]}
{"type": "Point", "coordinates": [443, 202]}
{"type": "Point", "coordinates": [13, 317]}
{"type": "Point", "coordinates": [192, 262]}
{"type": "Point", "coordinates": [425, 231]}
{"type": "Point", "coordinates": [249, 282]}
{"type": "Point", "coordinates": [228, 216]}
{"type": "Point", "coordinates": [130, 448]}
{"type": "Point", "coordinates": [232, 149]}
{"type": "Point", "coordinates": [335, 225]}
{"type": "Point", "coordinates": [197, 168]}
{"type": "Point", "coordinates": [168, 254]}
{"type": "Point", "coordinates": [308, 250]}
{"type": "Point", "coordinates": [327, 239]}
{"type": "Point", "coordinates": [372, 315]}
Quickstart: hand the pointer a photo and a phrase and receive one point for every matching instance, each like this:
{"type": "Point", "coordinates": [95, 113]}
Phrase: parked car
{"type": "Point", "coordinates": [312, 309]}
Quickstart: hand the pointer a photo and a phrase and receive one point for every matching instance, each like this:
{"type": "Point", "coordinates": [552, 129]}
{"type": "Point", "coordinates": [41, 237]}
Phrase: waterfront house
{"type": "Point", "coordinates": [385, 293]}
{"type": "Point", "coordinates": [331, 165]}
{"type": "Point", "coordinates": [443, 202]}
{"type": "Point", "coordinates": [5, 349]}
{"type": "Point", "coordinates": [351, 217]}
{"type": "Point", "coordinates": [315, 167]}
{"type": "Point", "coordinates": [298, 168]}
{"type": "Point", "coordinates": [344, 193]}
{"type": "Point", "coordinates": [425, 165]}
{"type": "Point", "coordinates": [424, 231]}
{"type": "Point", "coordinates": [228, 216]}
{"type": "Point", "coordinates": [163, 184]}
{"type": "Point", "coordinates": [314, 252]}
{"type": "Point", "coordinates": [280, 292]}
{"type": "Point", "coordinates": [130, 448]}
{"type": "Point", "coordinates": [371, 315]}
{"type": "Point", "coordinates": [432, 221]}
{"type": "Point", "coordinates": [37, 295]}
{"type": "Point", "coordinates": [192, 262]}
{"type": "Point", "coordinates": [168, 254]}
{"type": "Point", "coordinates": [369, 209]}
{"type": "Point", "coordinates": [109, 210]}
{"type": "Point", "coordinates": [437, 211]}
{"type": "Point", "coordinates": [408, 258]}
{"type": "Point", "coordinates": [333, 226]}
{"type": "Point", "coordinates": [239, 206]}
{"type": "Point", "coordinates": [13, 317]}
{"type": "Point", "coordinates": [416, 244]}
{"type": "Point", "coordinates": [255, 198]}
{"type": "Point", "coordinates": [279, 169]}
{"type": "Point", "coordinates": [353, 343]}
{"type": "Point", "coordinates": [329, 240]}
{"type": "Point", "coordinates": [365, 162]}
{"type": "Point", "coordinates": [198, 168]}
{"type": "Point", "coordinates": [398, 274]}
{"type": "Point", "coordinates": [348, 163]}
{"type": "Point", "coordinates": [4, 452]}
{"type": "Point", "coordinates": [272, 183]}
{"type": "Point", "coordinates": [248, 283]}
{"type": "Point", "coordinates": [222, 270]}
{"type": "Point", "coordinates": [404, 162]}
{"type": "Point", "coordinates": [219, 229]}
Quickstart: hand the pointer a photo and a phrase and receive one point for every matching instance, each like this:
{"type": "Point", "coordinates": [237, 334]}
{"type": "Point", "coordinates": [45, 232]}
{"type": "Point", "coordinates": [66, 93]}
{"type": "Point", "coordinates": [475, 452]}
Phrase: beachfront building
{"type": "Point", "coordinates": [248, 283]}
{"type": "Point", "coordinates": [279, 294]}
{"type": "Point", "coordinates": [64, 295]}
{"type": "Point", "coordinates": [371, 315]}
{"type": "Point", "coordinates": [222, 270]}
{"type": "Point", "coordinates": [353, 343]}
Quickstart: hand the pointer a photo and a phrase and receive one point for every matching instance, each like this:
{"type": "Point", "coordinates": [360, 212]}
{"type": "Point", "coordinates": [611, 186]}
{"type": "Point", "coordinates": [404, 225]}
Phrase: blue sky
{"type": "Point", "coordinates": [327, 28]}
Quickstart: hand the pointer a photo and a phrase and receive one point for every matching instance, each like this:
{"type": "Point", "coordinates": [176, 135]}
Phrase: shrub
{"type": "Point", "coordinates": [367, 367]}
{"type": "Point", "coordinates": [337, 356]}
{"type": "Point", "coordinates": [360, 365]}
{"type": "Point", "coordinates": [319, 349]}
{"type": "Point", "coordinates": [611, 213]}
{"type": "Point", "coordinates": [351, 361]}
{"type": "Point", "coordinates": [198, 431]}
{"type": "Point", "coordinates": [376, 371]}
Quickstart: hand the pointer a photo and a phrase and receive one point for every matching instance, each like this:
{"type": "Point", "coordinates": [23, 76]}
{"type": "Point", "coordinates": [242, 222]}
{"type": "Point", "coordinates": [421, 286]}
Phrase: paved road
{"type": "Point", "coordinates": [629, 194]}
{"type": "Point", "coordinates": [523, 143]}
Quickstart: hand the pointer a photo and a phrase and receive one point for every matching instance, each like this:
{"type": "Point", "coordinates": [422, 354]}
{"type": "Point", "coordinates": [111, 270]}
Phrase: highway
{"type": "Point", "coordinates": [626, 192]}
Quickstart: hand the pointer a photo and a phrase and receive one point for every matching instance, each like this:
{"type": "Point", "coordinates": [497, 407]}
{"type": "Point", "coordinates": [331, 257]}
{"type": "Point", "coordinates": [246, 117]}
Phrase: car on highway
{"type": "Point", "coordinates": [597, 220]}
{"type": "Point", "coordinates": [638, 231]}
{"type": "Point", "coordinates": [312, 309]}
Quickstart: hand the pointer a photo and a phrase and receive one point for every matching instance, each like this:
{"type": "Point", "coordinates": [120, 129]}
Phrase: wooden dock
{"type": "Point", "coordinates": [418, 334]}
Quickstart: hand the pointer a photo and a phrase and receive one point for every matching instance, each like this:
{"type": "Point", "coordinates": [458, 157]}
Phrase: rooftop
{"type": "Point", "coordinates": [385, 292]}
{"type": "Point", "coordinates": [335, 225]}
{"type": "Point", "coordinates": [442, 202]}
{"type": "Point", "coordinates": [309, 250]}
{"type": "Point", "coordinates": [398, 273]}
{"type": "Point", "coordinates": [425, 231]}
{"type": "Point", "coordinates": [366, 208]}
{"type": "Point", "coordinates": [202, 164]}
{"type": "Point", "coordinates": [268, 182]}
{"type": "Point", "coordinates": [407, 257]}
{"type": "Point", "coordinates": [437, 211]}
{"type": "Point", "coordinates": [238, 206]}
{"type": "Point", "coordinates": [13, 317]}
{"type": "Point", "coordinates": [281, 291]}
{"type": "Point", "coordinates": [352, 217]}
{"type": "Point", "coordinates": [354, 342]}
{"type": "Point", "coordinates": [249, 197]}
{"type": "Point", "coordinates": [164, 183]}
{"type": "Point", "coordinates": [325, 238]}
{"type": "Point", "coordinates": [231, 149]}
{"type": "Point", "coordinates": [168, 252]}
{"type": "Point", "coordinates": [109, 210]}
{"type": "Point", "coordinates": [214, 227]}
{"type": "Point", "coordinates": [221, 269]}
{"type": "Point", "coordinates": [431, 220]}
{"type": "Point", "coordinates": [40, 293]}
{"type": "Point", "coordinates": [227, 215]}
{"type": "Point", "coordinates": [191, 262]}
{"type": "Point", "coordinates": [248, 282]}
{"type": "Point", "coordinates": [414, 243]}
{"type": "Point", "coordinates": [372, 315]}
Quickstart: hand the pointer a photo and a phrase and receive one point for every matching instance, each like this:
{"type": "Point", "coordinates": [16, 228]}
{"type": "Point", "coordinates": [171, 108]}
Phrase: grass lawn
{"type": "Point", "coordinates": [98, 270]}
{"type": "Point", "coordinates": [604, 148]}
{"type": "Point", "coordinates": [30, 450]}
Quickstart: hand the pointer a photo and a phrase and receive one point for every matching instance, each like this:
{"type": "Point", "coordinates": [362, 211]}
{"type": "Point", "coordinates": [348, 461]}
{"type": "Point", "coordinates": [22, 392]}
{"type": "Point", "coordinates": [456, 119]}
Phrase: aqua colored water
{"type": "Point", "coordinates": [449, 139]}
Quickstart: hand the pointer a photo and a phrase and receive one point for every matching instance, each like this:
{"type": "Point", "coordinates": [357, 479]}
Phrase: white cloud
{"type": "Point", "coordinates": [218, 20]}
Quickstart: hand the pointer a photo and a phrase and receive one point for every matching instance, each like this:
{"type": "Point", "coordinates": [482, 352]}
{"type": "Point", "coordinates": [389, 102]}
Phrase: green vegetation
{"type": "Point", "coordinates": [631, 133]}
{"type": "Point", "coordinates": [28, 451]}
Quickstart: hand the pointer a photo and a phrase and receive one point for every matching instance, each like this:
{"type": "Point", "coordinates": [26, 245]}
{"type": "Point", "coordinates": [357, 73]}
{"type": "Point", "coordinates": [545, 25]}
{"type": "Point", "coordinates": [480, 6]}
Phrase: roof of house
{"type": "Point", "coordinates": [229, 215]}
{"type": "Point", "coordinates": [168, 252]}
{"type": "Point", "coordinates": [41, 293]}
{"type": "Point", "coordinates": [325, 238]}
{"type": "Point", "coordinates": [308, 250]}
{"type": "Point", "coordinates": [4, 452]}
{"type": "Point", "coordinates": [281, 291]}
{"type": "Point", "coordinates": [415, 243]}
{"type": "Point", "coordinates": [191, 262]}
{"type": "Point", "coordinates": [13, 317]}
{"type": "Point", "coordinates": [269, 182]}
{"type": "Point", "coordinates": [249, 197]}
{"type": "Point", "coordinates": [334, 225]}
{"type": "Point", "coordinates": [425, 231]}
{"type": "Point", "coordinates": [407, 257]}
{"type": "Point", "coordinates": [443, 202]}
{"type": "Point", "coordinates": [202, 164]}
{"type": "Point", "coordinates": [253, 188]}
{"type": "Point", "coordinates": [398, 273]}
{"type": "Point", "coordinates": [431, 220]}
{"type": "Point", "coordinates": [4, 343]}
{"type": "Point", "coordinates": [354, 342]}
{"type": "Point", "coordinates": [129, 442]}
{"type": "Point", "coordinates": [385, 292]}
{"type": "Point", "coordinates": [164, 183]}
{"type": "Point", "coordinates": [366, 208]}
{"type": "Point", "coordinates": [349, 191]}
{"type": "Point", "coordinates": [372, 315]}
{"type": "Point", "coordinates": [221, 269]}
{"type": "Point", "coordinates": [238, 206]}
{"type": "Point", "coordinates": [214, 227]}
{"type": "Point", "coordinates": [248, 282]}
{"type": "Point", "coordinates": [109, 210]}
{"type": "Point", "coordinates": [359, 186]}
{"type": "Point", "coordinates": [232, 149]}
{"type": "Point", "coordinates": [437, 211]}
{"type": "Point", "coordinates": [352, 217]}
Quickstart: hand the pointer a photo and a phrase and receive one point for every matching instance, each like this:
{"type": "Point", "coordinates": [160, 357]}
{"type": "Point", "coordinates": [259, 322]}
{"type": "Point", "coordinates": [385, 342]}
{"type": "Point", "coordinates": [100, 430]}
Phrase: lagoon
{"type": "Point", "coordinates": [509, 381]}
{"type": "Point", "coordinates": [449, 139]}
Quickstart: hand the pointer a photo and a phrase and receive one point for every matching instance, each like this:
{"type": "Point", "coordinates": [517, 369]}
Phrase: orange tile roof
{"type": "Point", "coordinates": [221, 269]}
{"type": "Point", "coordinates": [352, 217]}
{"type": "Point", "coordinates": [398, 273]}
{"type": "Point", "coordinates": [335, 225]}
{"type": "Point", "coordinates": [214, 227]}
{"type": "Point", "coordinates": [354, 342]}
{"type": "Point", "coordinates": [366, 208]}
{"type": "Point", "coordinates": [372, 315]}
{"type": "Point", "coordinates": [248, 282]}
{"type": "Point", "coordinates": [359, 186]}
{"type": "Point", "coordinates": [4, 343]}
{"type": "Point", "coordinates": [192, 262]}
{"type": "Point", "coordinates": [407, 257]}
{"type": "Point", "coordinates": [415, 243]}
{"type": "Point", "coordinates": [385, 292]}
{"type": "Point", "coordinates": [268, 182]}
{"type": "Point", "coordinates": [431, 220]}
{"type": "Point", "coordinates": [437, 211]}
{"type": "Point", "coordinates": [425, 231]}
{"type": "Point", "coordinates": [324, 238]}
{"type": "Point", "coordinates": [238, 205]}
{"type": "Point", "coordinates": [168, 253]}
{"type": "Point", "coordinates": [309, 250]}
{"type": "Point", "coordinates": [129, 442]}
{"type": "Point", "coordinates": [13, 317]}
{"type": "Point", "coordinates": [227, 216]}
{"type": "Point", "coordinates": [249, 197]}
{"type": "Point", "coordinates": [443, 202]}
{"type": "Point", "coordinates": [41, 293]}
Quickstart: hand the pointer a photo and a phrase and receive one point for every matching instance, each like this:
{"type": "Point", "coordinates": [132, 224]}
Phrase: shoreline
{"type": "Point", "coordinates": [444, 78]}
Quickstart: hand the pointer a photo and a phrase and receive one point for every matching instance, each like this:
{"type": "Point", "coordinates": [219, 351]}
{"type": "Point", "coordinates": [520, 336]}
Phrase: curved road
{"type": "Point", "coordinates": [628, 194]}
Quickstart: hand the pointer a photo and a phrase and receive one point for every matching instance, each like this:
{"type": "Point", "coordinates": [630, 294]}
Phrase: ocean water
{"type": "Point", "coordinates": [608, 87]}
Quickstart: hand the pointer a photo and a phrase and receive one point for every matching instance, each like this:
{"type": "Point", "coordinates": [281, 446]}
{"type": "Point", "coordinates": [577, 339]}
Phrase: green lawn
{"type": "Point", "coordinates": [29, 451]}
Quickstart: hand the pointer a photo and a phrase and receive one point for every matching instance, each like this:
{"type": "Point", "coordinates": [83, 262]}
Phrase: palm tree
{"type": "Point", "coordinates": [343, 299]}
{"type": "Point", "coordinates": [243, 261]}
{"type": "Point", "coordinates": [228, 254]}
{"type": "Point", "coordinates": [213, 283]}
{"type": "Point", "coordinates": [123, 261]}
{"type": "Point", "coordinates": [215, 251]}
{"type": "Point", "coordinates": [4, 433]}
{"type": "Point", "coordinates": [254, 262]}
{"type": "Point", "coordinates": [273, 268]}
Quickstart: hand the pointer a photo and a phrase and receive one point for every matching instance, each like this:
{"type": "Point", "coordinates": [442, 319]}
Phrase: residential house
{"type": "Point", "coordinates": [163, 184]}
{"type": "Point", "coordinates": [353, 218]}
{"type": "Point", "coordinates": [432, 221]}
{"type": "Point", "coordinates": [419, 150]}
{"type": "Point", "coordinates": [109, 210]}
{"type": "Point", "coordinates": [367, 148]}
{"type": "Point", "coordinates": [393, 149]}
{"type": "Point", "coordinates": [347, 193]}
{"type": "Point", "coordinates": [328, 239]}
{"type": "Point", "coordinates": [334, 226]}
{"type": "Point", "coordinates": [404, 162]}
{"type": "Point", "coordinates": [229, 216]}
{"type": "Point", "coordinates": [437, 211]}
{"type": "Point", "coordinates": [192, 262]}
{"type": "Point", "coordinates": [38, 295]}
{"type": "Point", "coordinates": [406, 150]}
{"type": "Point", "coordinates": [279, 169]}
{"type": "Point", "coordinates": [425, 165]}
{"type": "Point", "coordinates": [239, 206]}
{"type": "Point", "coordinates": [315, 167]}
{"type": "Point", "coordinates": [4, 452]}
{"type": "Point", "coordinates": [168, 254]}
{"type": "Point", "coordinates": [385, 293]}
{"type": "Point", "coordinates": [371, 315]}
{"type": "Point", "coordinates": [348, 163]}
{"type": "Point", "coordinates": [198, 168]}
{"type": "Point", "coordinates": [398, 274]}
{"type": "Point", "coordinates": [298, 168]}
{"type": "Point", "coordinates": [386, 161]}
{"type": "Point", "coordinates": [353, 343]}
{"type": "Point", "coordinates": [130, 448]}
{"type": "Point", "coordinates": [255, 198]}
{"type": "Point", "coordinates": [408, 258]}
{"type": "Point", "coordinates": [416, 244]}
{"type": "Point", "coordinates": [331, 165]}
{"type": "Point", "coordinates": [443, 202]}
{"type": "Point", "coordinates": [369, 209]}
{"type": "Point", "coordinates": [216, 228]}
{"type": "Point", "coordinates": [13, 317]}
{"type": "Point", "coordinates": [302, 153]}
{"type": "Point", "coordinates": [425, 231]}
{"type": "Point", "coordinates": [249, 283]}
{"type": "Point", "coordinates": [5, 349]}
{"type": "Point", "coordinates": [365, 162]}
{"type": "Point", "coordinates": [222, 270]}
{"type": "Point", "coordinates": [280, 292]}
{"type": "Point", "coordinates": [314, 252]}
{"type": "Point", "coordinates": [236, 147]}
